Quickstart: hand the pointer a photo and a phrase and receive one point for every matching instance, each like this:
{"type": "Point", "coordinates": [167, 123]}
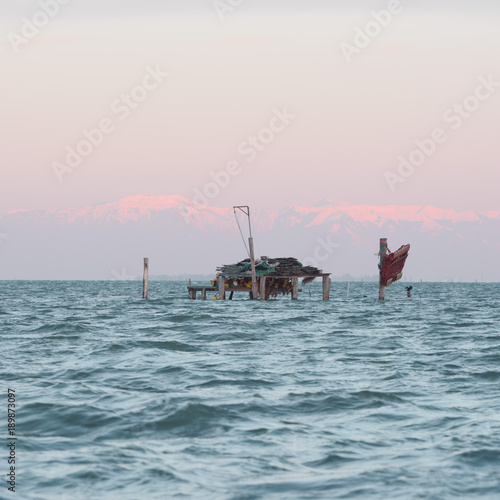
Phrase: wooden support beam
{"type": "Point", "coordinates": [327, 284]}
{"type": "Point", "coordinates": [222, 288]}
{"type": "Point", "coordinates": [204, 294]}
{"type": "Point", "coordinates": [383, 253]}
{"type": "Point", "coordinates": [262, 280]}
{"type": "Point", "coordinates": [255, 290]}
{"type": "Point", "coordinates": [295, 288]}
{"type": "Point", "coordinates": [201, 288]}
{"type": "Point", "coordinates": [145, 279]}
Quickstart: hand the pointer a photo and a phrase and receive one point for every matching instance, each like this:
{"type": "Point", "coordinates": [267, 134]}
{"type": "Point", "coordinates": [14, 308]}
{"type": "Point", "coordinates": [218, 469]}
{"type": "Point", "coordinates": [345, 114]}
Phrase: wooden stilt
{"type": "Point", "coordinates": [295, 288]}
{"type": "Point", "coordinates": [145, 279]}
{"type": "Point", "coordinates": [231, 296]}
{"type": "Point", "coordinates": [255, 290]}
{"type": "Point", "coordinates": [204, 294]}
{"type": "Point", "coordinates": [222, 288]}
{"type": "Point", "coordinates": [383, 253]}
{"type": "Point", "coordinates": [263, 288]}
{"type": "Point", "coordinates": [327, 284]}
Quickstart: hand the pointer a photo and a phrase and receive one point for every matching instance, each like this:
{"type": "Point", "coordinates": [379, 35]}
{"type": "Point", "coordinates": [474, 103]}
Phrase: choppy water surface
{"type": "Point", "coordinates": [120, 398]}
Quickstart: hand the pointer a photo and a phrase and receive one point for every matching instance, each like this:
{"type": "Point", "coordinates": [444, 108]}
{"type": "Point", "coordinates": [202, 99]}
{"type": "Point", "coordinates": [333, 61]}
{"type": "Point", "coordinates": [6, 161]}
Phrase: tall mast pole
{"type": "Point", "coordinates": [255, 289]}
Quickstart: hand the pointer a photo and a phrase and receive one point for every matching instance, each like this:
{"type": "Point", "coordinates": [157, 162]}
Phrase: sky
{"type": "Point", "coordinates": [267, 103]}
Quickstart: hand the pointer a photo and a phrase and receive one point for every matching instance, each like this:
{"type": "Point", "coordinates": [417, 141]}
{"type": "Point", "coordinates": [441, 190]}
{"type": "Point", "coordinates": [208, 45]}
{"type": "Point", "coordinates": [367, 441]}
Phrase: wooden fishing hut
{"type": "Point", "coordinates": [270, 279]}
{"type": "Point", "coordinates": [262, 278]}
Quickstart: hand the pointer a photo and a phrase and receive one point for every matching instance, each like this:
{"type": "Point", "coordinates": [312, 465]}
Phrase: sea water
{"type": "Point", "coordinates": [122, 398]}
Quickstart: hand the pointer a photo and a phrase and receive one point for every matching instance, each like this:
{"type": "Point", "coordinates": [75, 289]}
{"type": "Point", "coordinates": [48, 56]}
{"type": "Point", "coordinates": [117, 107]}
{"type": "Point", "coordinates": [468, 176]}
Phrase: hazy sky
{"type": "Point", "coordinates": [231, 79]}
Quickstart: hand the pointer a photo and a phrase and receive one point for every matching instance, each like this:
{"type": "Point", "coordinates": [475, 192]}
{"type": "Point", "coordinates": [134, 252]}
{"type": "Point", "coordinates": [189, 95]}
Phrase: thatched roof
{"type": "Point", "coordinates": [285, 266]}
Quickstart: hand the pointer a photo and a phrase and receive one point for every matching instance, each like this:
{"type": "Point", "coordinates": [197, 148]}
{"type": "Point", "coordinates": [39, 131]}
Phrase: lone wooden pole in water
{"type": "Point", "coordinates": [255, 289]}
{"type": "Point", "coordinates": [383, 253]}
{"type": "Point", "coordinates": [145, 279]}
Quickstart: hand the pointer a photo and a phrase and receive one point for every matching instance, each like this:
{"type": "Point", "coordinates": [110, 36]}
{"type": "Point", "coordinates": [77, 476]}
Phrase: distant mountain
{"type": "Point", "coordinates": [109, 241]}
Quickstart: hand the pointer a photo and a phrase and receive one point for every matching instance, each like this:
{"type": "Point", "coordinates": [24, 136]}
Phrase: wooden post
{"type": "Point", "coordinates": [204, 294]}
{"type": "Point", "coordinates": [295, 288]}
{"type": "Point", "coordinates": [222, 288]}
{"type": "Point", "coordinates": [255, 290]}
{"type": "Point", "coordinates": [262, 288]}
{"type": "Point", "coordinates": [383, 253]}
{"type": "Point", "coordinates": [327, 283]}
{"type": "Point", "coordinates": [145, 279]}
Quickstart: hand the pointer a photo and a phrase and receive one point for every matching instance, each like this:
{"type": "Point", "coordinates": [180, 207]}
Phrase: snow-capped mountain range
{"type": "Point", "coordinates": [108, 241]}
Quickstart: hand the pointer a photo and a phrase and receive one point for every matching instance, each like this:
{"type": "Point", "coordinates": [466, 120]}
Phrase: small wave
{"type": "Point", "coordinates": [244, 383]}
{"type": "Point", "coordinates": [167, 345]}
{"type": "Point", "coordinates": [329, 461]}
{"type": "Point", "coordinates": [180, 318]}
{"type": "Point", "coordinates": [379, 396]}
{"type": "Point", "coordinates": [481, 456]}
{"type": "Point", "coordinates": [489, 375]}
{"type": "Point", "coordinates": [45, 419]}
{"type": "Point", "coordinates": [197, 419]}
{"type": "Point", "coordinates": [54, 328]}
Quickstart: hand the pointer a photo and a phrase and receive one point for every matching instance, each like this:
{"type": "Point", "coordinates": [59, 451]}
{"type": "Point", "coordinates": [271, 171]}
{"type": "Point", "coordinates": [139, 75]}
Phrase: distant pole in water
{"type": "Point", "coordinates": [145, 279]}
{"type": "Point", "coordinates": [255, 290]}
{"type": "Point", "coordinates": [383, 253]}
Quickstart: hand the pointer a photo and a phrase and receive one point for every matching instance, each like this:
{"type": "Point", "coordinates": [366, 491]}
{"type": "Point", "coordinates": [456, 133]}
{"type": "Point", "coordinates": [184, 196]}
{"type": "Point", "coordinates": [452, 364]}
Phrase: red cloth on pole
{"type": "Point", "coordinates": [393, 264]}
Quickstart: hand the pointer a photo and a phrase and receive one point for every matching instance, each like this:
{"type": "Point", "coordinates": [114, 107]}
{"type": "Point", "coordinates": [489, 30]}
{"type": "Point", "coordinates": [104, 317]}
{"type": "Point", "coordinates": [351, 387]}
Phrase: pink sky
{"type": "Point", "coordinates": [225, 79]}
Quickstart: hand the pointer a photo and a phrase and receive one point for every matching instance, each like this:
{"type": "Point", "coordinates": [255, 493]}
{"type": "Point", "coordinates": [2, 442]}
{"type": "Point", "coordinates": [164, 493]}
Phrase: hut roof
{"type": "Point", "coordinates": [285, 266]}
